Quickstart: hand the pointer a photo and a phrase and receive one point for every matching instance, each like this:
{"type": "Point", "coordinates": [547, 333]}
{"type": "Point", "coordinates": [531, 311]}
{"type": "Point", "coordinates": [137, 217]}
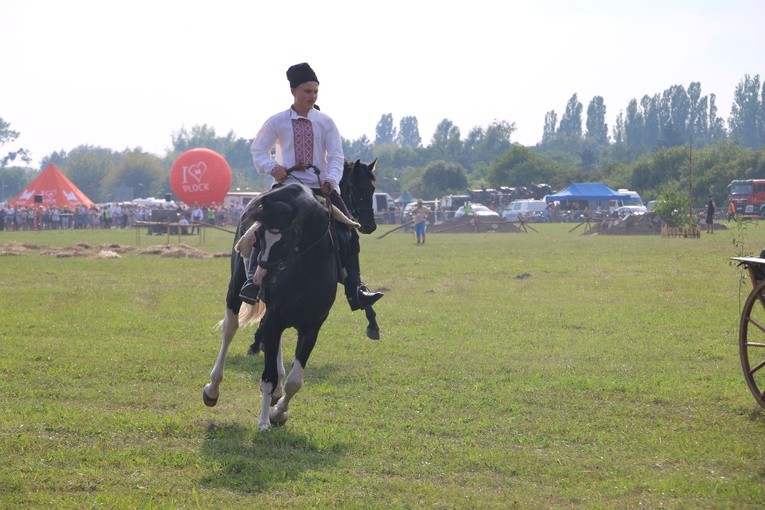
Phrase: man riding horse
{"type": "Point", "coordinates": [308, 150]}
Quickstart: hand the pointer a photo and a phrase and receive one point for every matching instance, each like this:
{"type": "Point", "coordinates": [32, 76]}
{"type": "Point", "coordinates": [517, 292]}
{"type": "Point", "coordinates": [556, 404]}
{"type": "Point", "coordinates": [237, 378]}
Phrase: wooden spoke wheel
{"type": "Point", "coordinates": [751, 342]}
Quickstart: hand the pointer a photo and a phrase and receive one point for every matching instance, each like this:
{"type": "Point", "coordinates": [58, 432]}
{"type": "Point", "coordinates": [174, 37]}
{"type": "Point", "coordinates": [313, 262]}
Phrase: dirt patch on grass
{"type": "Point", "coordinates": [106, 251]}
{"type": "Point", "coordinates": [635, 224]}
{"type": "Point", "coordinates": [470, 226]}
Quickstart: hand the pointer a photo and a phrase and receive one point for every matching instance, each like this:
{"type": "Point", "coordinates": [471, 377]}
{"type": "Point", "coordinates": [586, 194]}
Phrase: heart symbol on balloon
{"type": "Point", "coordinates": [198, 170]}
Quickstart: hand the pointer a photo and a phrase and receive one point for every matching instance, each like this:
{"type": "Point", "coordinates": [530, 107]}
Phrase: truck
{"type": "Point", "coordinates": [384, 207]}
{"type": "Point", "coordinates": [748, 196]}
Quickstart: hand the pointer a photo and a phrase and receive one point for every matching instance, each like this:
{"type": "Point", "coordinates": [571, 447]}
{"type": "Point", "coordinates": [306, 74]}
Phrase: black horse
{"type": "Point", "coordinates": [357, 188]}
{"type": "Point", "coordinates": [298, 272]}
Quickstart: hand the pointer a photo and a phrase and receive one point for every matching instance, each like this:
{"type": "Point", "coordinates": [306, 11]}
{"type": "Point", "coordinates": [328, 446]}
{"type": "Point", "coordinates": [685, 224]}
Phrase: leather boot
{"type": "Point", "coordinates": [358, 295]}
{"type": "Point", "coordinates": [250, 292]}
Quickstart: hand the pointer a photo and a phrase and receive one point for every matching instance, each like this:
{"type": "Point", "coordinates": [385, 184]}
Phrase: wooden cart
{"type": "Point", "coordinates": [751, 332]}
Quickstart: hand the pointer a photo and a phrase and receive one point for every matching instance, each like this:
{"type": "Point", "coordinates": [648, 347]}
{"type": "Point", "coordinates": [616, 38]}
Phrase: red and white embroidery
{"type": "Point", "coordinates": [302, 134]}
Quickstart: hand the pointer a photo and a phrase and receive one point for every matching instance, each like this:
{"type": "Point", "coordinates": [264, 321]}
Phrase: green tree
{"type": "Point", "coordinates": [446, 143]}
{"type": "Point", "coordinates": [360, 148]}
{"type": "Point", "coordinates": [201, 136]}
{"type": "Point", "coordinates": [744, 121]}
{"type": "Point", "coordinates": [618, 130]}
{"type": "Point", "coordinates": [522, 166]}
{"type": "Point", "coordinates": [634, 125]}
{"type": "Point", "coordinates": [761, 117]}
{"type": "Point", "coordinates": [650, 172]}
{"type": "Point", "coordinates": [86, 166]}
{"type": "Point", "coordinates": [716, 124]}
{"type": "Point", "coordinates": [385, 133]}
{"type": "Point", "coordinates": [11, 182]}
{"type": "Point", "coordinates": [571, 121]}
{"type": "Point", "coordinates": [141, 171]}
{"type": "Point", "coordinates": [551, 124]}
{"type": "Point", "coordinates": [674, 109]}
{"type": "Point", "coordinates": [441, 178]}
{"type": "Point", "coordinates": [496, 140]}
{"type": "Point", "coordinates": [597, 129]}
{"type": "Point", "coordinates": [409, 133]}
{"type": "Point", "coordinates": [239, 156]}
{"type": "Point", "coordinates": [672, 205]}
{"type": "Point", "coordinates": [7, 135]}
{"type": "Point", "coordinates": [651, 125]}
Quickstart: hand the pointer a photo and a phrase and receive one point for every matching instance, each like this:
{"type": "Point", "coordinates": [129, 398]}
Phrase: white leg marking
{"type": "Point", "coordinates": [279, 391]}
{"type": "Point", "coordinates": [228, 330]}
{"type": "Point", "coordinates": [265, 421]}
{"type": "Point", "coordinates": [291, 386]}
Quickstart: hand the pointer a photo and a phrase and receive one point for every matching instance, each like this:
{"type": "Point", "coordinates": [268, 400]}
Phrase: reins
{"type": "Point", "coordinates": [331, 223]}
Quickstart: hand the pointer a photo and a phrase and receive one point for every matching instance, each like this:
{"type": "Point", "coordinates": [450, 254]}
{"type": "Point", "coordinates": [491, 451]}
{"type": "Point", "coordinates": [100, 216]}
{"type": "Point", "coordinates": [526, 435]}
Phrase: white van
{"type": "Point", "coordinates": [384, 208]}
{"type": "Point", "coordinates": [525, 209]}
{"type": "Point", "coordinates": [632, 205]}
{"type": "Point", "coordinates": [633, 200]}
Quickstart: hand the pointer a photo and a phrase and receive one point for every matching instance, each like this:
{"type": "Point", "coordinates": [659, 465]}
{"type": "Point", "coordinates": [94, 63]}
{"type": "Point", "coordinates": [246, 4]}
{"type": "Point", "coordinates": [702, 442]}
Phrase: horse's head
{"type": "Point", "coordinates": [277, 215]}
{"type": "Point", "coordinates": [357, 187]}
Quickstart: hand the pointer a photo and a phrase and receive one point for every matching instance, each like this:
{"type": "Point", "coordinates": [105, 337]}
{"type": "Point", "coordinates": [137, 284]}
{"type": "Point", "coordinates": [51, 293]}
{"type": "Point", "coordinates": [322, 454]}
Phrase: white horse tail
{"type": "Point", "coordinates": [248, 315]}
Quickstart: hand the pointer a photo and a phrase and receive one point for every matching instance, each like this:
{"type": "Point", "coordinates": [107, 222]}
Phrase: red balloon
{"type": "Point", "coordinates": [201, 176]}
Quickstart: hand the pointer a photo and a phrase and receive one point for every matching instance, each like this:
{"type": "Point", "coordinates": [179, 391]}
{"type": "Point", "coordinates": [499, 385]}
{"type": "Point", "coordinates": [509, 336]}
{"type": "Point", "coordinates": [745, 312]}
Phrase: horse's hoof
{"type": "Point", "coordinates": [373, 334]}
{"type": "Point", "coordinates": [209, 401]}
{"type": "Point", "coordinates": [281, 420]}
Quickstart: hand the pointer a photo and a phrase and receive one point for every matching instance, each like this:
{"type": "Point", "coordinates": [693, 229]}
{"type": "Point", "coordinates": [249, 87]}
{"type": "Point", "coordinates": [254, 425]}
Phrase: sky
{"type": "Point", "coordinates": [125, 75]}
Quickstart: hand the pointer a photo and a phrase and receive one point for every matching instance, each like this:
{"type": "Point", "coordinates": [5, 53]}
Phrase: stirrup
{"type": "Point", "coordinates": [362, 298]}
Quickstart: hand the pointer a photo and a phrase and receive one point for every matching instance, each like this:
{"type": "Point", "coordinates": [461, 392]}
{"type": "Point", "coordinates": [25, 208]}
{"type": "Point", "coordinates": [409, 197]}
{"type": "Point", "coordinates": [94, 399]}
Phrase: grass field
{"type": "Point", "coordinates": [539, 370]}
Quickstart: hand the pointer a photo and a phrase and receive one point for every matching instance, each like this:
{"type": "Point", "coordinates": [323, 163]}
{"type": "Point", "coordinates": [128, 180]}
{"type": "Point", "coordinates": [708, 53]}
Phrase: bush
{"type": "Point", "coordinates": [672, 206]}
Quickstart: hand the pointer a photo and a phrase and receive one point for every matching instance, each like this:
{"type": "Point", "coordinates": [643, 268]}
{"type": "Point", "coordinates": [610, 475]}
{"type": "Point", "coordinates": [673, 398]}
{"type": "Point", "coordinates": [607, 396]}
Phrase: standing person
{"type": "Point", "coordinates": [711, 215]}
{"type": "Point", "coordinates": [420, 214]}
{"type": "Point", "coordinates": [303, 135]}
{"type": "Point", "coordinates": [211, 214]}
{"type": "Point", "coordinates": [731, 211]}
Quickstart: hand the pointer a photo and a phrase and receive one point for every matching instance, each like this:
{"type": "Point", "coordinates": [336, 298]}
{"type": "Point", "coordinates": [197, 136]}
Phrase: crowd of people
{"type": "Point", "coordinates": [105, 216]}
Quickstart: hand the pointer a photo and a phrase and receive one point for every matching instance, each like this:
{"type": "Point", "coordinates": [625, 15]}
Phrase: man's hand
{"type": "Point", "coordinates": [326, 188]}
{"type": "Point", "coordinates": [279, 173]}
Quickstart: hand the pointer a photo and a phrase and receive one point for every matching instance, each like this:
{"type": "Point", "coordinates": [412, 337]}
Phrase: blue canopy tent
{"type": "Point", "coordinates": [590, 191]}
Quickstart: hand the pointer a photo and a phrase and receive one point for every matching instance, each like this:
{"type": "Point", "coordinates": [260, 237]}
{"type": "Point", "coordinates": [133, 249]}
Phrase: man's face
{"type": "Point", "coordinates": [306, 94]}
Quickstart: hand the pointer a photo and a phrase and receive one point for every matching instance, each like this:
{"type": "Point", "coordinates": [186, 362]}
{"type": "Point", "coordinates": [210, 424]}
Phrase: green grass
{"type": "Point", "coordinates": [608, 377]}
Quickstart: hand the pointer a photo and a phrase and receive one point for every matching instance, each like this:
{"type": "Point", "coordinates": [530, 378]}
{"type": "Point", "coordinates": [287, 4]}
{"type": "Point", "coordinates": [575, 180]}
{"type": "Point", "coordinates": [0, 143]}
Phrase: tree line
{"type": "Point", "coordinates": [663, 139]}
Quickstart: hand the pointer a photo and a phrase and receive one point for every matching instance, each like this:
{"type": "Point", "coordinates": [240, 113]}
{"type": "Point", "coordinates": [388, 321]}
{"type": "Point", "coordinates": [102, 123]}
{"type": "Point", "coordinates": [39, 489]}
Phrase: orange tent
{"type": "Point", "coordinates": [54, 189]}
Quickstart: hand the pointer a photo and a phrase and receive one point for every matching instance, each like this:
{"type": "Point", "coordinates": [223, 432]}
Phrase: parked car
{"type": "Point", "coordinates": [530, 210]}
{"type": "Point", "coordinates": [626, 210]}
{"type": "Point", "coordinates": [479, 210]}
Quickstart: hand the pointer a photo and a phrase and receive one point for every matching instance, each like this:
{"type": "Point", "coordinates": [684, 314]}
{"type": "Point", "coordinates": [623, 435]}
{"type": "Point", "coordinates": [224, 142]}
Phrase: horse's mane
{"type": "Point", "coordinates": [349, 167]}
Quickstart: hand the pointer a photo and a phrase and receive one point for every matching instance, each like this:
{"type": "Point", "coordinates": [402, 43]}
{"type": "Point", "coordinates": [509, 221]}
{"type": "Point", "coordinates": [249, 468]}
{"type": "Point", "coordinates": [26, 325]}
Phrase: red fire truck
{"type": "Point", "coordinates": [748, 196]}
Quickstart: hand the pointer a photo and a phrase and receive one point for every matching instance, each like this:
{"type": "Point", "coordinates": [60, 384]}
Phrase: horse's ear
{"type": "Point", "coordinates": [373, 164]}
{"type": "Point", "coordinates": [277, 214]}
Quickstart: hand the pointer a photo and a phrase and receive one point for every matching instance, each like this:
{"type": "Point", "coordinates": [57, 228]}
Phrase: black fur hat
{"type": "Point", "coordinates": [300, 73]}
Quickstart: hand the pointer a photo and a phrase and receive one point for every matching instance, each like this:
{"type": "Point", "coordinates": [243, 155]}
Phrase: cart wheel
{"type": "Point", "coordinates": [751, 342]}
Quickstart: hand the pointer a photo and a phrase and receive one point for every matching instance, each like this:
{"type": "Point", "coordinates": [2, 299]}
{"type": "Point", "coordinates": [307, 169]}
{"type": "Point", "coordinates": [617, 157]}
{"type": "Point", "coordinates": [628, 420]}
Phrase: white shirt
{"type": "Point", "coordinates": [327, 148]}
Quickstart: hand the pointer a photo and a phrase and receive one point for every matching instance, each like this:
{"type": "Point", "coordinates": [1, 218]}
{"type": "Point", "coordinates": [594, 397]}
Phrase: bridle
{"type": "Point", "coordinates": [352, 193]}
